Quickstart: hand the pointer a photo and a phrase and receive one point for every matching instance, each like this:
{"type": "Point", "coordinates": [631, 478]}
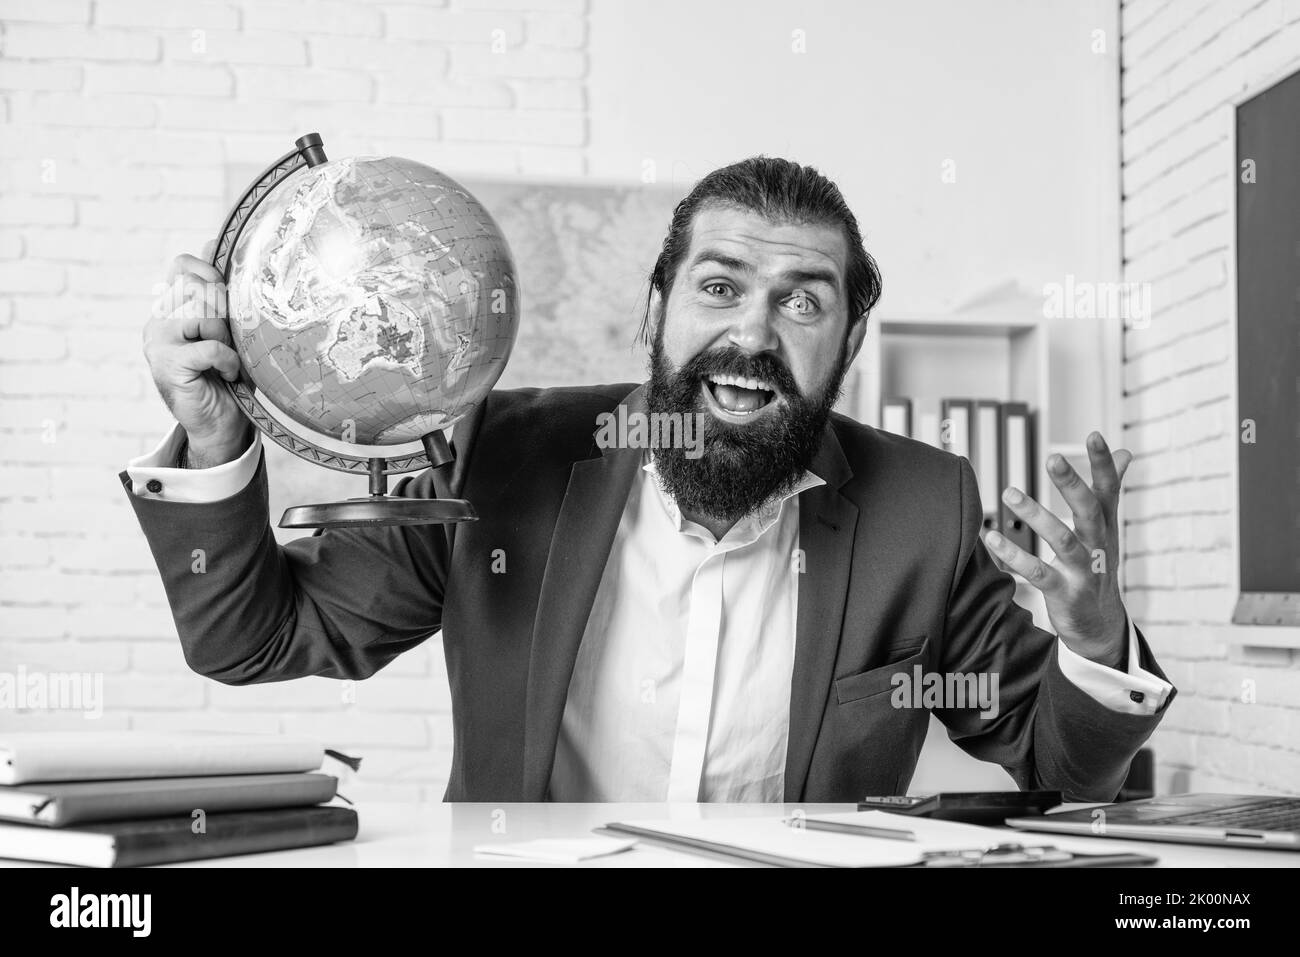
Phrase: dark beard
{"type": "Point", "coordinates": [742, 466]}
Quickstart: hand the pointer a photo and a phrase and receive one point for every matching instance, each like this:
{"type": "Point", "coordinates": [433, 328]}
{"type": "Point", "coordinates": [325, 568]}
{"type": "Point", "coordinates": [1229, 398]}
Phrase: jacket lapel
{"type": "Point", "coordinates": [827, 526]}
{"type": "Point", "coordinates": [584, 532]}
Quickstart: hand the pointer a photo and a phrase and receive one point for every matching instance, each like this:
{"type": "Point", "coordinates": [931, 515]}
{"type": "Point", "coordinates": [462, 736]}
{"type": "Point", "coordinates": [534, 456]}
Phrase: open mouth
{"type": "Point", "coordinates": [740, 396]}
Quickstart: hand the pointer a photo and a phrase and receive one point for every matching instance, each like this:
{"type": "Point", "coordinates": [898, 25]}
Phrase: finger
{"type": "Point", "coordinates": [192, 322]}
{"type": "Point", "coordinates": [185, 288]}
{"type": "Point", "coordinates": [170, 299]}
{"type": "Point", "coordinates": [1048, 527]}
{"type": "Point", "coordinates": [1032, 568]}
{"type": "Point", "coordinates": [176, 295]}
{"type": "Point", "coordinates": [1085, 507]}
{"type": "Point", "coordinates": [1105, 475]}
{"type": "Point", "coordinates": [189, 265]}
{"type": "Point", "coordinates": [210, 354]}
{"type": "Point", "coordinates": [209, 248]}
{"type": "Point", "coordinates": [1123, 459]}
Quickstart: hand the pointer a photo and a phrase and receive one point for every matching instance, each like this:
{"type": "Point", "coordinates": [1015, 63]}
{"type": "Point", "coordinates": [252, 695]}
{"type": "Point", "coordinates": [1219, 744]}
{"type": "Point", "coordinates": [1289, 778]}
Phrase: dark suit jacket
{"type": "Point", "coordinates": [895, 576]}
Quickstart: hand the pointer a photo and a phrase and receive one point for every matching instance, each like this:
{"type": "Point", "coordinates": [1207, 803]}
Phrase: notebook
{"type": "Point", "coordinates": [100, 755]}
{"type": "Point", "coordinates": [60, 804]}
{"type": "Point", "coordinates": [167, 840]}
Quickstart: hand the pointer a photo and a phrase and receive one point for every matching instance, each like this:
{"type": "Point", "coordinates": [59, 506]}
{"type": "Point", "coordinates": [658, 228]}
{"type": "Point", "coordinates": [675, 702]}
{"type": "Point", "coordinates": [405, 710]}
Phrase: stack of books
{"type": "Point", "coordinates": [126, 799]}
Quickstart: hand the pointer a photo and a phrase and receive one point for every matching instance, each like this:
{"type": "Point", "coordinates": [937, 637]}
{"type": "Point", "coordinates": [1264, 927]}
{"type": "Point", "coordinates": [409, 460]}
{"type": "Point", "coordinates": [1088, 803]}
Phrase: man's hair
{"type": "Point", "coordinates": [784, 192]}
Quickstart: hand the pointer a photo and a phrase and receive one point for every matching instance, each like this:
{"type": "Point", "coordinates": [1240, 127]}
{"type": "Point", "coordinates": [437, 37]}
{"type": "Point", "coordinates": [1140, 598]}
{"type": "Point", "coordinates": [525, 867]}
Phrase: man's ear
{"type": "Point", "coordinates": [857, 335]}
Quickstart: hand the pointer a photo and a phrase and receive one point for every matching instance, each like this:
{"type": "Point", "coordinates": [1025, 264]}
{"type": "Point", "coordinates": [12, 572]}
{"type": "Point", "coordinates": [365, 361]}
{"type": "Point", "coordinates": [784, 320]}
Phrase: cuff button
{"type": "Point", "coordinates": [154, 486]}
{"type": "Point", "coordinates": [1137, 697]}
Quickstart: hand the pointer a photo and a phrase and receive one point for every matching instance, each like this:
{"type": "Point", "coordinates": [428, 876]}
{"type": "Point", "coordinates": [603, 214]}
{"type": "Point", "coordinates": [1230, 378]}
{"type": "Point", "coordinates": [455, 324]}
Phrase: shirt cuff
{"type": "Point", "coordinates": [153, 475]}
{"type": "Point", "coordinates": [1136, 692]}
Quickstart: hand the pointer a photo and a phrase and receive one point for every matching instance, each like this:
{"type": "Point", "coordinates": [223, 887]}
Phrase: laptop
{"type": "Point", "coordinates": [1226, 819]}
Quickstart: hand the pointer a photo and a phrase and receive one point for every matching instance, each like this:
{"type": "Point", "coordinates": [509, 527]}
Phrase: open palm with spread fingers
{"type": "Point", "coordinates": [1081, 586]}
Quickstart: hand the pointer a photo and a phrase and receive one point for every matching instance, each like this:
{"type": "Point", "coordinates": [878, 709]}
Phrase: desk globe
{"type": "Point", "coordinates": [373, 303]}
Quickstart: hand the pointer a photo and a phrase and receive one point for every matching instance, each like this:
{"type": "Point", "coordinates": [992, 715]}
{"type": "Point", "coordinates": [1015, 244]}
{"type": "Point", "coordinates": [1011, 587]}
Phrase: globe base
{"type": "Point", "coordinates": [379, 510]}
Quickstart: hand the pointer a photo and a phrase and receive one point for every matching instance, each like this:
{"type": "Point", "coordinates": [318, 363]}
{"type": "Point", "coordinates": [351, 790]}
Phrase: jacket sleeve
{"type": "Point", "coordinates": [342, 603]}
{"type": "Point", "coordinates": [1046, 731]}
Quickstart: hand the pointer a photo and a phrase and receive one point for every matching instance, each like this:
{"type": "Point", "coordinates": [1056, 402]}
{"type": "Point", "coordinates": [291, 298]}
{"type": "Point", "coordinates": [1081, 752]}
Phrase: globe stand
{"type": "Point", "coordinates": [379, 508]}
{"type": "Point", "coordinates": [384, 509]}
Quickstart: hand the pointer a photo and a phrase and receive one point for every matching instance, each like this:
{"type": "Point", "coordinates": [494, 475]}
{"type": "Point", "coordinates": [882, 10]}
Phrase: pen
{"type": "Point", "coordinates": [861, 830]}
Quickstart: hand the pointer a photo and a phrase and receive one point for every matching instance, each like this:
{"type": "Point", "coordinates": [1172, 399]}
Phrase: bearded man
{"type": "Point", "coordinates": [722, 620]}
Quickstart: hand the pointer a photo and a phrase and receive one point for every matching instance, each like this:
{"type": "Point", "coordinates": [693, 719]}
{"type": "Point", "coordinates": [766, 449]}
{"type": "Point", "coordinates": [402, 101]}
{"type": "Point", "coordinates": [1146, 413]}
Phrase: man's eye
{"type": "Point", "coordinates": [717, 289]}
{"type": "Point", "coordinates": [802, 303]}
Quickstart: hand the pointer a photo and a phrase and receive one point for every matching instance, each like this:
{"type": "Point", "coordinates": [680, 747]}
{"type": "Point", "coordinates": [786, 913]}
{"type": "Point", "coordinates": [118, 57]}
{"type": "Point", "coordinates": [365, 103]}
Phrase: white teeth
{"type": "Point", "coordinates": [754, 384]}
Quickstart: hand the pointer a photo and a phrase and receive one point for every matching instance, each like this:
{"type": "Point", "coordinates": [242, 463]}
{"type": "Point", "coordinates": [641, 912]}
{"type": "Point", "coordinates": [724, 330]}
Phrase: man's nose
{"type": "Point", "coordinates": [754, 327]}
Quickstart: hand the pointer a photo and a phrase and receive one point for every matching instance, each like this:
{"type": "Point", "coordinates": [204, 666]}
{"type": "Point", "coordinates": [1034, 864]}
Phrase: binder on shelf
{"type": "Point", "coordinates": [1016, 433]}
{"type": "Point", "coordinates": [955, 426]}
{"type": "Point", "coordinates": [986, 458]}
{"type": "Point", "coordinates": [928, 430]}
{"type": "Point", "coordinates": [896, 416]}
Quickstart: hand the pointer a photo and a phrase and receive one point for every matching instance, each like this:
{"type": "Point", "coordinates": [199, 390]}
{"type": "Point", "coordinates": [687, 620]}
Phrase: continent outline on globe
{"type": "Point", "coordinates": [372, 298]}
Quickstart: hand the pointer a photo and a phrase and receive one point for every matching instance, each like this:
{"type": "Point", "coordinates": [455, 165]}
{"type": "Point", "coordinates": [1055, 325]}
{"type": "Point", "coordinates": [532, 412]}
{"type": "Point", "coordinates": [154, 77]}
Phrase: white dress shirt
{"type": "Point", "coordinates": [681, 688]}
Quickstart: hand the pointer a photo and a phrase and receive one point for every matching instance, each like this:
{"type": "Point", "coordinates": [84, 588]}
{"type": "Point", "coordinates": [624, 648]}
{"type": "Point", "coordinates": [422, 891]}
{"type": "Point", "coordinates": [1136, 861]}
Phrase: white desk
{"type": "Point", "coordinates": [396, 835]}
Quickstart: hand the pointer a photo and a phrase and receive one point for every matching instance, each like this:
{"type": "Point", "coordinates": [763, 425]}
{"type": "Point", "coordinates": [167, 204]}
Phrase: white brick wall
{"type": "Point", "coordinates": [120, 118]}
{"type": "Point", "coordinates": [1184, 61]}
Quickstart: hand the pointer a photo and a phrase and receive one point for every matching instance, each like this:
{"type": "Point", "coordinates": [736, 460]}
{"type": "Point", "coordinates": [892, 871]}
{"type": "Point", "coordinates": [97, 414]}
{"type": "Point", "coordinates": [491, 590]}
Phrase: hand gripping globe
{"type": "Point", "coordinates": [373, 303]}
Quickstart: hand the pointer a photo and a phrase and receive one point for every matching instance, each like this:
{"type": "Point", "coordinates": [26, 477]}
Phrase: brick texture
{"type": "Point", "coordinates": [1236, 723]}
{"type": "Point", "coordinates": [121, 121]}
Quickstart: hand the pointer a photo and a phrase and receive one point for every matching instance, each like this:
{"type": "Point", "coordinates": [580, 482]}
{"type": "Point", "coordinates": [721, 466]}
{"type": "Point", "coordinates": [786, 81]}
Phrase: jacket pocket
{"type": "Point", "coordinates": [875, 681]}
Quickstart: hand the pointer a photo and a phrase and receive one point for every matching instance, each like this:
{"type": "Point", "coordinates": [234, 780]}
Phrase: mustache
{"type": "Point", "coordinates": [732, 361]}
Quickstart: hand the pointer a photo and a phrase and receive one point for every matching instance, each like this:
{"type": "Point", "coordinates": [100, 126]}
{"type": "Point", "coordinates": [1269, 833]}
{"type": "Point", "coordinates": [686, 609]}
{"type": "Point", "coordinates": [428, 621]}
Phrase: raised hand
{"type": "Point", "coordinates": [1081, 586]}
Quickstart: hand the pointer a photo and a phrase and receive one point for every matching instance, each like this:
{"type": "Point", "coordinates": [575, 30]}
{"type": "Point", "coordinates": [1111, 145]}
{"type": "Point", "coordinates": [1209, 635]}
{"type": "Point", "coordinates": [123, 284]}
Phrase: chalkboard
{"type": "Point", "coordinates": [1268, 354]}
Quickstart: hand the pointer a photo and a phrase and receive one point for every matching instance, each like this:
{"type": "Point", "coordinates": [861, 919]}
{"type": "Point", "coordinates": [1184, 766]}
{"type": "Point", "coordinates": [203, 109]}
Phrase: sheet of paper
{"type": "Point", "coordinates": [556, 850]}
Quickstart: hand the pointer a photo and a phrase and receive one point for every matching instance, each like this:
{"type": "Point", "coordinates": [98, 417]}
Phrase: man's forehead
{"type": "Point", "coordinates": [750, 236]}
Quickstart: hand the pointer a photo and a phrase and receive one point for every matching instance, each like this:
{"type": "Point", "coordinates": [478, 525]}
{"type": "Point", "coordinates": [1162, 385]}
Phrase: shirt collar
{"type": "Point", "coordinates": [749, 528]}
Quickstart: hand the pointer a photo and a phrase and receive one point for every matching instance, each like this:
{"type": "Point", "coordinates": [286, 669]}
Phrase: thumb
{"type": "Point", "coordinates": [1123, 459]}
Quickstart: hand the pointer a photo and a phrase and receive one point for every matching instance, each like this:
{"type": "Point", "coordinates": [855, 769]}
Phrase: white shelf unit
{"type": "Point", "coordinates": [1000, 352]}
{"type": "Point", "coordinates": [930, 358]}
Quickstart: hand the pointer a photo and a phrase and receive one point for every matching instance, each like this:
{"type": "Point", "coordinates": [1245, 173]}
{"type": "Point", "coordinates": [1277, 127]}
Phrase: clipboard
{"type": "Point", "coordinates": [1036, 855]}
